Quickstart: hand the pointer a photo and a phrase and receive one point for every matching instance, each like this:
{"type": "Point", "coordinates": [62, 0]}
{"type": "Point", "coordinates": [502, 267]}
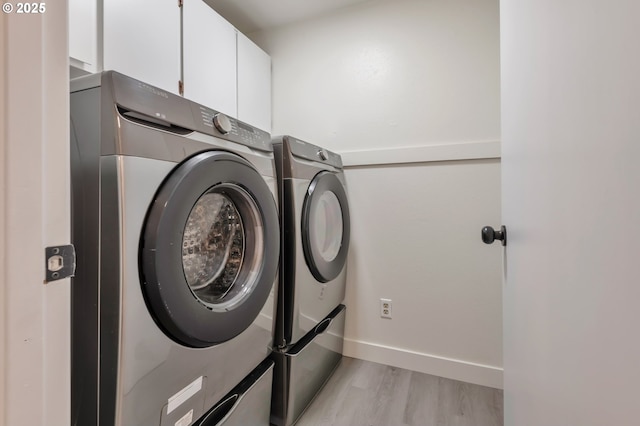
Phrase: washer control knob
{"type": "Point", "coordinates": [222, 123]}
{"type": "Point", "coordinates": [323, 154]}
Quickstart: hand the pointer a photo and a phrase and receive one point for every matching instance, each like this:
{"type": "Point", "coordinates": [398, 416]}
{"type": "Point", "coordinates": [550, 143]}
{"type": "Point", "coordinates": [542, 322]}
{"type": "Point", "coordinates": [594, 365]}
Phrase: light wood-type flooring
{"type": "Point", "coordinates": [362, 393]}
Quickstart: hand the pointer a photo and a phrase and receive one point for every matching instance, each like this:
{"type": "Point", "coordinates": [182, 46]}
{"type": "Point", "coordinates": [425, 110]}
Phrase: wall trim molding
{"type": "Point", "coordinates": [422, 154]}
{"type": "Point", "coordinates": [450, 368]}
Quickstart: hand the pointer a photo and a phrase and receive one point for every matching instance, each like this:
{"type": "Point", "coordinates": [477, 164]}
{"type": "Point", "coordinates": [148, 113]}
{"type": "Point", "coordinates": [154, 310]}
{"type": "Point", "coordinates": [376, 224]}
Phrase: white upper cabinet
{"type": "Point", "coordinates": [83, 35]}
{"type": "Point", "coordinates": [209, 58]}
{"type": "Point", "coordinates": [141, 39]}
{"type": "Point", "coordinates": [157, 42]}
{"type": "Point", "coordinates": [254, 84]}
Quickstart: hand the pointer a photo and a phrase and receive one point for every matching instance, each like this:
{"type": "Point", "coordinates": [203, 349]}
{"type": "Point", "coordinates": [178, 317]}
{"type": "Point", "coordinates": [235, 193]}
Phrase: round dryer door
{"type": "Point", "coordinates": [325, 227]}
{"type": "Point", "coordinates": [209, 249]}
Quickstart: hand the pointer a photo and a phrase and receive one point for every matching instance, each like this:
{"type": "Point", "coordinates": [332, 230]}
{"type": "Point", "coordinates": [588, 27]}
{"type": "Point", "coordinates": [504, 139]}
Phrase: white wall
{"type": "Point", "coordinates": [35, 335]}
{"type": "Point", "coordinates": [397, 82]}
{"type": "Point", "coordinates": [389, 73]}
{"type": "Point", "coordinates": [420, 246]}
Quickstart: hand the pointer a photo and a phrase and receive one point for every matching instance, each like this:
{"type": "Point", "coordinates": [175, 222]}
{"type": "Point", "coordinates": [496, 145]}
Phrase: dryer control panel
{"type": "Point", "coordinates": [309, 151]}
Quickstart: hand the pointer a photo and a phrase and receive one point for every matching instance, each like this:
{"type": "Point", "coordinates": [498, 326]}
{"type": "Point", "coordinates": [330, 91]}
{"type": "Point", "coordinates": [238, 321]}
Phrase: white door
{"type": "Point", "coordinates": [35, 327]}
{"type": "Point", "coordinates": [571, 204]}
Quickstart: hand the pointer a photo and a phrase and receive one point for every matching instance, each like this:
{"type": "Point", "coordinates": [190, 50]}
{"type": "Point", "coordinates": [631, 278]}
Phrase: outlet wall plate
{"type": "Point", "coordinates": [386, 308]}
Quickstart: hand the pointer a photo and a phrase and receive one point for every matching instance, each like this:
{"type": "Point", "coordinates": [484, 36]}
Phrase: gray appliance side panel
{"type": "Point", "coordinates": [108, 119]}
{"type": "Point", "coordinates": [85, 82]}
{"type": "Point", "coordinates": [288, 231]}
{"type": "Point", "coordinates": [96, 287]}
{"type": "Point", "coordinates": [85, 225]}
{"type": "Point", "coordinates": [302, 372]}
{"type": "Point", "coordinates": [280, 389]}
{"type": "Point", "coordinates": [110, 291]}
{"type": "Point", "coordinates": [284, 273]}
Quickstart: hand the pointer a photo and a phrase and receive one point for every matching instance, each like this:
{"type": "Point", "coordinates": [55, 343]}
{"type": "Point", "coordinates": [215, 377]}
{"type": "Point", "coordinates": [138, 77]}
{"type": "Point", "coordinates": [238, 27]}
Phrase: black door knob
{"type": "Point", "coordinates": [489, 235]}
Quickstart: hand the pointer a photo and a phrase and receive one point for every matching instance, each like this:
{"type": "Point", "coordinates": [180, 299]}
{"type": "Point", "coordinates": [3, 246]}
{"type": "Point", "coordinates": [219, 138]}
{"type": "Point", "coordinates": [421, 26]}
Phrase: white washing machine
{"type": "Point", "coordinates": [315, 228]}
{"type": "Point", "coordinates": [176, 231]}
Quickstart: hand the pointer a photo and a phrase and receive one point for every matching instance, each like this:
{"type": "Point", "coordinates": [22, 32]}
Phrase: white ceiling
{"type": "Point", "coordinates": [255, 15]}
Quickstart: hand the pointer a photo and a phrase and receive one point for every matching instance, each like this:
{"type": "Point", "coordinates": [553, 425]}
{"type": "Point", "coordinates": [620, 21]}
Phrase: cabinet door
{"type": "Point", "coordinates": [142, 40]}
{"type": "Point", "coordinates": [209, 57]}
{"type": "Point", "coordinates": [254, 84]}
{"type": "Point", "coordinates": [83, 32]}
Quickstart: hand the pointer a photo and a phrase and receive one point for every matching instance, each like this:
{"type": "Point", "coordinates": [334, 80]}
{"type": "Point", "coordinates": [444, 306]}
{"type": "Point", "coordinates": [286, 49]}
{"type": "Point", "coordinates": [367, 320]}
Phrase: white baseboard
{"type": "Point", "coordinates": [422, 154]}
{"type": "Point", "coordinates": [469, 372]}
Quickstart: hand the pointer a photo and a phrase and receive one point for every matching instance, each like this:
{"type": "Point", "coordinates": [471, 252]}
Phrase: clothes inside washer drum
{"type": "Point", "coordinates": [213, 247]}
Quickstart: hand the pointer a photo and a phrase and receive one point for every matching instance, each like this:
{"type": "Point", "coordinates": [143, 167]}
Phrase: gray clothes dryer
{"type": "Point", "coordinates": [315, 228]}
{"type": "Point", "coordinates": [176, 231]}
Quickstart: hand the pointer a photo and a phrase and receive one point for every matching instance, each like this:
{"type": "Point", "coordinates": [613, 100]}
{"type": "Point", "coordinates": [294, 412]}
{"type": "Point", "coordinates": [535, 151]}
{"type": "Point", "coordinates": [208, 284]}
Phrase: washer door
{"type": "Point", "coordinates": [209, 249]}
{"type": "Point", "coordinates": [325, 227]}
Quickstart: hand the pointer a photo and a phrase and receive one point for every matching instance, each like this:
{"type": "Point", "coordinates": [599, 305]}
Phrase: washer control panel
{"type": "Point", "coordinates": [175, 113]}
{"type": "Point", "coordinates": [225, 127]}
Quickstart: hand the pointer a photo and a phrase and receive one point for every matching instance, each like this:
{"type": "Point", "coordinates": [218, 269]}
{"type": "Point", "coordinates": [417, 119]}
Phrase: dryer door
{"type": "Point", "coordinates": [209, 249]}
{"type": "Point", "coordinates": [325, 227]}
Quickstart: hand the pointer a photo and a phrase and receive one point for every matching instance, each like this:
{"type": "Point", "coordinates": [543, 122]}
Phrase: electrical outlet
{"type": "Point", "coordinates": [385, 308]}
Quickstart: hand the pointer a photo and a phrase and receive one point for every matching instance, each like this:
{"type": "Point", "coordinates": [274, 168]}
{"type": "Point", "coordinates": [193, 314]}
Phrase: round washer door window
{"type": "Point", "coordinates": [325, 227]}
{"type": "Point", "coordinates": [209, 250]}
{"type": "Point", "coordinates": [223, 236]}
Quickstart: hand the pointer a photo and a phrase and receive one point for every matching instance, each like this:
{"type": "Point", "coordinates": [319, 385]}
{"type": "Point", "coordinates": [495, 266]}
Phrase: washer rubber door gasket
{"type": "Point", "coordinates": [183, 316]}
